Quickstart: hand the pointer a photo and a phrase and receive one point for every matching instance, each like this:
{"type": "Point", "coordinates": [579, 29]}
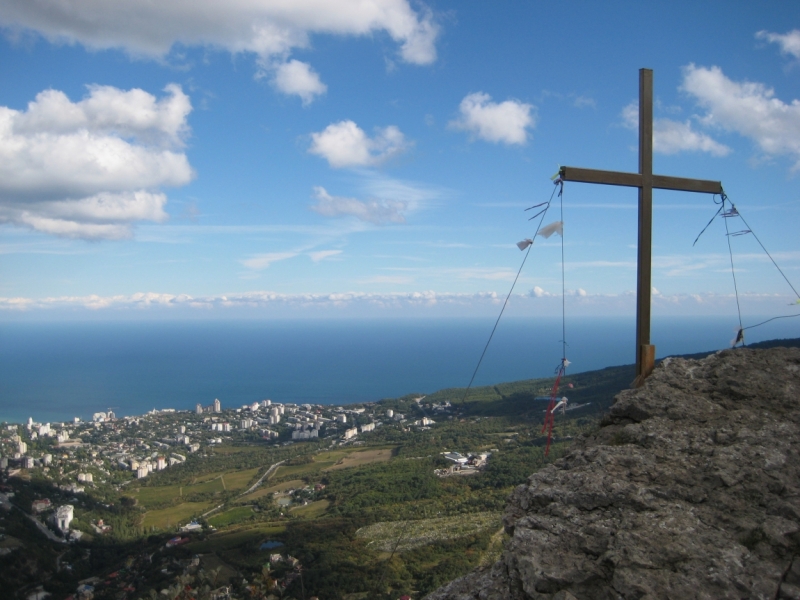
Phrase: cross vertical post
{"type": "Point", "coordinates": [645, 180]}
{"type": "Point", "coordinates": [645, 352]}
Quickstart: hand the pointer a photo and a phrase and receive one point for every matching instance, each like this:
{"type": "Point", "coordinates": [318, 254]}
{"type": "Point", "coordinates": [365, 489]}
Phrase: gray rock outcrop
{"type": "Point", "coordinates": [689, 489]}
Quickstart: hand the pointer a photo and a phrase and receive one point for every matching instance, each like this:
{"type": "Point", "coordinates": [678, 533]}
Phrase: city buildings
{"type": "Point", "coordinates": [64, 517]}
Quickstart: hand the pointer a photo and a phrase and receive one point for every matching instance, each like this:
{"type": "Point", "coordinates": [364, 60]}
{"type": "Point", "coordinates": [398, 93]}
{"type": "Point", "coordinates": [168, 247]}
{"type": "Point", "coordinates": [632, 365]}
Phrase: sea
{"type": "Point", "coordinates": [55, 371]}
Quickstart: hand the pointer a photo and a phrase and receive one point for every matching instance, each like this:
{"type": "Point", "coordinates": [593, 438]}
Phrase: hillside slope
{"type": "Point", "coordinates": [690, 489]}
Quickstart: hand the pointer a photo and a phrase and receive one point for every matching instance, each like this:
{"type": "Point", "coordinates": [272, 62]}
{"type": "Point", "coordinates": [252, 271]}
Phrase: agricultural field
{"type": "Point", "coordinates": [153, 496]}
{"type": "Point", "coordinates": [296, 471]}
{"type": "Point", "coordinates": [237, 536]}
{"type": "Point", "coordinates": [311, 510]}
{"type": "Point", "coordinates": [361, 457]}
{"type": "Point", "coordinates": [239, 480]}
{"type": "Point", "coordinates": [268, 491]}
{"type": "Point", "coordinates": [207, 477]}
{"type": "Point", "coordinates": [170, 518]}
{"type": "Point", "coordinates": [209, 486]}
{"type": "Point", "coordinates": [401, 536]}
{"type": "Point", "coordinates": [337, 459]}
{"type": "Point", "coordinates": [229, 517]}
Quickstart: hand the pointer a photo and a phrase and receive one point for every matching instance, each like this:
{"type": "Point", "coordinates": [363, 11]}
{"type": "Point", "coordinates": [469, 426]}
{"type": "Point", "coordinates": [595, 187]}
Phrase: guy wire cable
{"type": "Point", "coordinates": [563, 284]}
{"type": "Point", "coordinates": [543, 213]}
{"type": "Point", "coordinates": [734, 212]}
{"type": "Point", "coordinates": [768, 254]}
{"type": "Point", "coordinates": [733, 273]}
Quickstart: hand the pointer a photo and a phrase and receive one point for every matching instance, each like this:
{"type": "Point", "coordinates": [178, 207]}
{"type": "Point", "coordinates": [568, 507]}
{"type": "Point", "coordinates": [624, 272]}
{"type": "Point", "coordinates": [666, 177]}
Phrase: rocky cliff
{"type": "Point", "coordinates": [689, 489]}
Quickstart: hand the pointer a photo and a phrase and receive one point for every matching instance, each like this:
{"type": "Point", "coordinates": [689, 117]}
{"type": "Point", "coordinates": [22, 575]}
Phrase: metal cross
{"type": "Point", "coordinates": [645, 181]}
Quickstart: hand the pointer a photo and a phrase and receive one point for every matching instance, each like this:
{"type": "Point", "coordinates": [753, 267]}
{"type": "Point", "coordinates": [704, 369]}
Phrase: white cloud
{"type": "Point", "coordinates": [323, 254]}
{"type": "Point", "coordinates": [749, 109]}
{"type": "Point", "coordinates": [90, 169]}
{"type": "Point", "coordinates": [671, 137]}
{"type": "Point", "coordinates": [262, 261]}
{"type": "Point", "coordinates": [583, 101]}
{"type": "Point", "coordinates": [344, 144]}
{"type": "Point", "coordinates": [378, 212]}
{"type": "Point", "coordinates": [630, 115]}
{"type": "Point", "coordinates": [538, 292]}
{"type": "Point", "coordinates": [414, 195]}
{"type": "Point", "coordinates": [295, 77]}
{"type": "Point", "coordinates": [362, 304]}
{"type": "Point", "coordinates": [789, 42]}
{"type": "Point", "coordinates": [390, 279]}
{"type": "Point", "coordinates": [507, 122]}
{"type": "Point", "coordinates": [271, 29]}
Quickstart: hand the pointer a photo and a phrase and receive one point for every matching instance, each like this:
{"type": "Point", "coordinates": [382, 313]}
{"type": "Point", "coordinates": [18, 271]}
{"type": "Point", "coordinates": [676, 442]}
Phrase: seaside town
{"type": "Point", "coordinates": [114, 450]}
{"type": "Point", "coordinates": [83, 461]}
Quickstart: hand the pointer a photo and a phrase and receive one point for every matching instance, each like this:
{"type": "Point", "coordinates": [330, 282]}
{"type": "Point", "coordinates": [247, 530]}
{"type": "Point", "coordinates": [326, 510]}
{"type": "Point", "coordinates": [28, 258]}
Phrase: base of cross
{"type": "Point", "coordinates": [647, 362]}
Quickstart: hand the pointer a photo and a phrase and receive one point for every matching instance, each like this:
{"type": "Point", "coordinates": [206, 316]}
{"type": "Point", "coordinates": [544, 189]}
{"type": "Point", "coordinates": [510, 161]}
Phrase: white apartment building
{"type": "Point", "coordinates": [64, 517]}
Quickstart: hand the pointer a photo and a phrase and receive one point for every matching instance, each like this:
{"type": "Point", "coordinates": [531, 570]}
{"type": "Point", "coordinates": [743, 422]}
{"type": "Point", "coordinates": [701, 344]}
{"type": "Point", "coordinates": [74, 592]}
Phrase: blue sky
{"type": "Point", "coordinates": [374, 158]}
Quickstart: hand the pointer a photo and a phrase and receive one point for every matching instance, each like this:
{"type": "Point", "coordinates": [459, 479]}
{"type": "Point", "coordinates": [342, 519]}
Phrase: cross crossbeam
{"type": "Point", "coordinates": [645, 181]}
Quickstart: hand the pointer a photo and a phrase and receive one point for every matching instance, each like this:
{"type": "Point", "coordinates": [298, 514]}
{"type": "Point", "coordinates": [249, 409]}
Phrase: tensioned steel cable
{"type": "Point", "coordinates": [563, 284]}
{"type": "Point", "coordinates": [733, 274]}
{"type": "Point", "coordinates": [559, 186]}
{"type": "Point", "coordinates": [768, 254]}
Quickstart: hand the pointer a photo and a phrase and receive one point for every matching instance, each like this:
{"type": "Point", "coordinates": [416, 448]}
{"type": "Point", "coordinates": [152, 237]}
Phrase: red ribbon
{"type": "Point", "coordinates": [549, 418]}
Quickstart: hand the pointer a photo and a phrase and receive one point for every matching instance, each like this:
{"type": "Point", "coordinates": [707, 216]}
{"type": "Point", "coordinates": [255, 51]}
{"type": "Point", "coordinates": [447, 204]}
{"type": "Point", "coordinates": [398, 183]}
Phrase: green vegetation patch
{"type": "Point", "coordinates": [207, 477]}
{"type": "Point", "coordinates": [406, 535]}
{"type": "Point", "coordinates": [280, 487]}
{"type": "Point", "coordinates": [225, 449]}
{"type": "Point", "coordinates": [362, 457]}
{"type": "Point", "coordinates": [10, 542]}
{"type": "Point", "coordinates": [300, 470]}
{"type": "Point", "coordinates": [233, 538]}
{"type": "Point", "coordinates": [229, 517]}
{"type": "Point", "coordinates": [153, 496]}
{"type": "Point", "coordinates": [168, 518]}
{"type": "Point", "coordinates": [206, 487]}
{"type": "Point", "coordinates": [239, 480]}
{"type": "Point", "coordinates": [311, 510]}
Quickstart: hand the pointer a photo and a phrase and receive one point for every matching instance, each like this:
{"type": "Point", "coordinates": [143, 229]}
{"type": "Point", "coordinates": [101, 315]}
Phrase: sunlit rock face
{"type": "Point", "coordinates": [689, 489]}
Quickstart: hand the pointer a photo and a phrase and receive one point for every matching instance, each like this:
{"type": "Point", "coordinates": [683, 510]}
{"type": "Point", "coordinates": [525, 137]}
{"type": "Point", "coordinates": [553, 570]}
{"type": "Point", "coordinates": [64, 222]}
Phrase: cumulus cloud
{"type": "Point", "coordinates": [379, 212]}
{"type": "Point", "coordinates": [268, 29]}
{"type": "Point", "coordinates": [295, 77]}
{"type": "Point", "coordinates": [92, 168]}
{"type": "Point", "coordinates": [749, 109]}
{"type": "Point", "coordinates": [538, 292]}
{"type": "Point", "coordinates": [507, 122]}
{"type": "Point", "coordinates": [788, 42]}
{"type": "Point", "coordinates": [671, 137]}
{"type": "Point", "coordinates": [344, 144]}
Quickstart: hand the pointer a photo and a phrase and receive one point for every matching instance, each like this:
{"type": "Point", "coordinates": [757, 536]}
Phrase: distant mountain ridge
{"type": "Point", "coordinates": [595, 389]}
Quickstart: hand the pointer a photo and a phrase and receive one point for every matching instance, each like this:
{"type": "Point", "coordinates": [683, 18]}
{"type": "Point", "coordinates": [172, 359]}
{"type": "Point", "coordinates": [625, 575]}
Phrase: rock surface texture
{"type": "Point", "coordinates": [689, 489]}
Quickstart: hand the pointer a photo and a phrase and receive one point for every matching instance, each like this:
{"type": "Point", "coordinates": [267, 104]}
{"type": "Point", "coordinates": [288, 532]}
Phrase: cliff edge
{"type": "Point", "coordinates": [689, 489]}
